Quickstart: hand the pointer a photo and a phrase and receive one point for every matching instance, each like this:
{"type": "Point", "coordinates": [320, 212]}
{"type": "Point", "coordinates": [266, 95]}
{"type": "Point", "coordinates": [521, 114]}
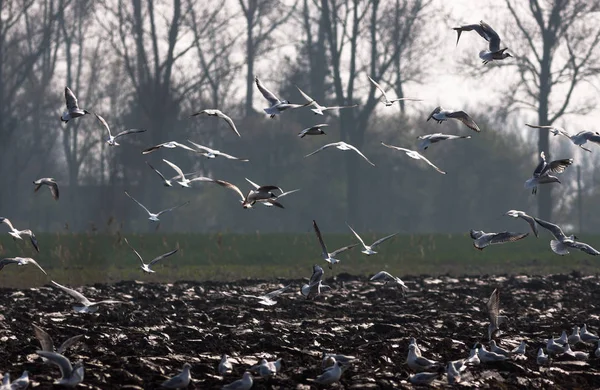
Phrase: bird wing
{"type": "Point", "coordinates": [230, 157]}
{"type": "Point", "coordinates": [62, 362]}
{"type": "Point", "coordinates": [229, 122]}
{"type": "Point", "coordinates": [75, 294]}
{"type": "Point", "coordinates": [540, 168]}
{"type": "Point", "coordinates": [71, 100]}
{"type": "Point", "coordinates": [227, 184]}
{"type": "Point", "coordinates": [396, 147]}
{"type": "Point", "coordinates": [493, 307]}
{"type": "Point", "coordinates": [320, 238]}
{"type": "Point", "coordinates": [53, 186]}
{"type": "Point", "coordinates": [159, 258]}
{"type": "Point", "coordinates": [378, 87]}
{"type": "Point", "coordinates": [270, 96]}
{"type": "Point", "coordinates": [288, 192]}
{"type": "Point", "coordinates": [529, 219]}
{"type": "Point", "coordinates": [129, 131]}
{"type": "Point", "coordinates": [552, 228]}
{"type": "Point", "coordinates": [32, 261]}
{"type": "Point", "coordinates": [182, 146]}
{"type": "Point", "coordinates": [134, 251]}
{"type": "Point", "coordinates": [502, 237]}
{"type": "Point", "coordinates": [357, 236]}
{"type": "Point", "coordinates": [582, 246]}
{"type": "Point", "coordinates": [476, 234]}
{"type": "Point", "coordinates": [322, 147]}
{"type": "Point", "coordinates": [382, 240]}
{"type": "Point", "coordinates": [69, 343]}
{"type": "Point", "coordinates": [44, 338]}
{"type": "Point", "coordinates": [278, 292]}
{"type": "Point", "coordinates": [430, 163]}
{"type": "Point", "coordinates": [155, 170]}
{"type": "Point", "coordinates": [253, 184]}
{"type": "Point", "coordinates": [172, 208]}
{"type": "Point", "coordinates": [382, 275]}
{"type": "Point", "coordinates": [338, 107]}
{"type": "Point", "coordinates": [343, 249]}
{"type": "Point", "coordinates": [7, 222]}
{"type": "Point", "coordinates": [135, 200]}
{"type": "Point", "coordinates": [272, 201]}
{"type": "Point", "coordinates": [34, 242]}
{"type": "Point", "coordinates": [103, 121]}
{"type": "Point", "coordinates": [559, 166]}
{"type": "Point", "coordinates": [316, 276]}
{"type": "Point", "coordinates": [491, 36]}
{"type": "Point", "coordinates": [175, 167]}
{"type": "Point", "coordinates": [464, 118]}
{"type": "Point", "coordinates": [360, 154]}
{"type": "Point", "coordinates": [152, 149]}
{"type": "Point", "coordinates": [308, 98]}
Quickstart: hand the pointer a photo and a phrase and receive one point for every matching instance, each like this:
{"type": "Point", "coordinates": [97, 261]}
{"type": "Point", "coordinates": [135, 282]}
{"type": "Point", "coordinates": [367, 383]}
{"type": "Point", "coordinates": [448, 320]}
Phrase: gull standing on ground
{"type": "Point", "coordinates": [225, 365]}
{"type": "Point", "coordinates": [416, 155]}
{"type": "Point", "coordinates": [268, 298]}
{"type": "Point", "coordinates": [555, 348]}
{"type": "Point", "coordinates": [219, 114]}
{"type": "Point", "coordinates": [542, 175]}
{"type": "Point", "coordinates": [329, 257]}
{"type": "Point", "coordinates": [318, 109]}
{"type": "Point", "coordinates": [341, 146]}
{"type": "Point", "coordinates": [50, 182]}
{"type": "Point", "coordinates": [496, 349]}
{"type": "Point", "coordinates": [577, 355]}
{"type": "Point", "coordinates": [48, 345]}
{"type": "Point", "coordinates": [493, 308]}
{"type": "Point", "coordinates": [20, 261]}
{"type": "Point", "coordinates": [112, 140]}
{"type": "Point", "coordinates": [519, 351]}
{"type": "Point", "coordinates": [267, 203]}
{"type": "Point", "coordinates": [314, 130]}
{"type": "Point", "coordinates": [277, 106]}
{"type": "Point", "coordinates": [86, 306]}
{"type": "Point", "coordinates": [73, 110]}
{"type": "Point", "coordinates": [562, 243]}
{"type": "Point", "coordinates": [213, 153]}
{"type": "Point", "coordinates": [388, 278]}
{"type": "Point", "coordinates": [146, 267]}
{"type": "Point", "coordinates": [18, 233]}
{"type": "Point", "coordinates": [241, 384]}
{"type": "Point", "coordinates": [574, 338]}
{"type": "Point", "coordinates": [440, 115]}
{"type": "Point", "coordinates": [180, 380]}
{"type": "Point", "coordinates": [578, 139]}
{"type": "Point", "coordinates": [331, 375]}
{"type": "Point", "coordinates": [329, 359]}
{"type": "Point", "coordinates": [152, 216]}
{"type": "Point", "coordinates": [483, 239]}
{"type": "Point", "coordinates": [424, 378]}
{"type": "Point", "coordinates": [71, 375]}
{"type": "Point", "coordinates": [486, 356]}
{"type": "Point", "coordinates": [261, 194]}
{"type": "Point", "coordinates": [487, 33]}
{"type": "Point", "coordinates": [429, 139]}
{"type": "Point", "coordinates": [418, 363]}
{"type": "Point", "coordinates": [184, 181]}
{"type": "Point", "coordinates": [368, 249]}
{"type": "Point", "coordinates": [527, 218]}
{"type": "Point", "coordinates": [266, 369]}
{"type": "Point", "coordinates": [168, 145]}
{"type": "Point", "coordinates": [386, 101]}
{"type": "Point", "coordinates": [586, 336]}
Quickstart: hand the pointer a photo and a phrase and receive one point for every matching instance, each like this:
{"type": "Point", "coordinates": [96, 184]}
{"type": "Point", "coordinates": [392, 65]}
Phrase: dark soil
{"type": "Point", "coordinates": [140, 344]}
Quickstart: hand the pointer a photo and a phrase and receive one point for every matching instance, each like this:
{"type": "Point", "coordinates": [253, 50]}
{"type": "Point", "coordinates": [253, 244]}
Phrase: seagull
{"type": "Point", "coordinates": [73, 110]}
{"type": "Point", "coordinates": [496, 349]}
{"type": "Point", "coordinates": [578, 139]}
{"type": "Point", "coordinates": [430, 139]}
{"type": "Point", "coordinates": [368, 249]}
{"type": "Point", "coordinates": [86, 306]}
{"type": "Point", "coordinates": [487, 33]}
{"type": "Point", "coordinates": [542, 358]}
{"type": "Point", "coordinates": [219, 114]}
{"type": "Point", "coordinates": [331, 375]}
{"type": "Point", "coordinates": [267, 299]}
{"type": "Point", "coordinates": [473, 359]}
{"type": "Point", "coordinates": [574, 338]}
{"type": "Point", "coordinates": [71, 375]}
{"type": "Point", "coordinates": [483, 239]}
{"type": "Point", "coordinates": [20, 261]}
{"type": "Point", "coordinates": [241, 384]}
{"type": "Point", "coordinates": [268, 203]}
{"type": "Point", "coordinates": [527, 218]}
{"type": "Point", "coordinates": [184, 181]}
{"type": "Point", "coordinates": [112, 141]}
{"type": "Point", "coordinates": [168, 145]}
{"type": "Point", "coordinates": [329, 257]}
{"type": "Point", "coordinates": [146, 267]}
{"type": "Point", "coordinates": [452, 374]}
{"type": "Point", "coordinates": [587, 336]}
{"type": "Point", "coordinates": [48, 345]}
{"type": "Point", "coordinates": [329, 359]}
{"type": "Point", "coordinates": [386, 101]}
{"type": "Point", "coordinates": [416, 155]}
{"type": "Point", "coordinates": [318, 109]}
{"type": "Point", "coordinates": [341, 146]}
{"type": "Point", "coordinates": [266, 369]}
{"type": "Point", "coordinates": [493, 308]}
{"type": "Point", "coordinates": [180, 380]}
{"type": "Point", "coordinates": [486, 356]}
{"type": "Point", "coordinates": [520, 350]}
{"type": "Point", "coordinates": [314, 130]}
{"type": "Point", "coordinates": [562, 243]}
{"type": "Point", "coordinates": [542, 175]}
{"type": "Point", "coordinates": [50, 182]}
{"type": "Point", "coordinates": [563, 339]}
{"type": "Point", "coordinates": [315, 285]}
{"type": "Point", "coordinates": [392, 280]}
{"type": "Point", "coordinates": [152, 216]}
{"type": "Point", "coordinates": [418, 363]}
{"type": "Point", "coordinates": [20, 383]}
{"type": "Point", "coordinates": [213, 153]}
{"type": "Point", "coordinates": [18, 233]}
{"type": "Point", "coordinates": [225, 365]}
{"type": "Point", "coordinates": [440, 115]}
{"type": "Point", "coordinates": [424, 378]}
{"type": "Point", "coordinates": [261, 194]}
{"type": "Point", "coordinates": [555, 348]}
{"type": "Point", "coordinates": [276, 106]}
{"type": "Point", "coordinates": [578, 355]}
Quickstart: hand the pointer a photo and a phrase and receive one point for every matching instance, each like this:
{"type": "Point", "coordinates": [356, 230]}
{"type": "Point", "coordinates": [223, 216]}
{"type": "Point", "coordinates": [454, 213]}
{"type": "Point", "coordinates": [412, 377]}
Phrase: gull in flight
{"type": "Point", "coordinates": [71, 375]}
{"type": "Point", "coordinates": [277, 105]}
{"type": "Point", "coordinates": [241, 384]}
{"type": "Point", "coordinates": [18, 233]}
{"type": "Point", "coordinates": [329, 257]}
{"type": "Point", "coordinates": [169, 145]}
{"type": "Point", "coordinates": [268, 203]}
{"type": "Point", "coordinates": [487, 33]}
{"type": "Point", "coordinates": [483, 239]}
{"type": "Point", "coordinates": [86, 306]}
{"type": "Point", "coordinates": [416, 155]}
{"type": "Point", "coordinates": [184, 181]}
{"type": "Point", "coordinates": [331, 374]}
{"type": "Point", "coordinates": [493, 308]}
{"type": "Point", "coordinates": [388, 102]}
{"type": "Point", "coordinates": [73, 110]}
{"type": "Point", "coordinates": [180, 380]}
{"type": "Point", "coordinates": [166, 182]}
{"type": "Point", "coordinates": [429, 139]}
{"type": "Point", "coordinates": [318, 109]}
{"type": "Point", "coordinates": [341, 146]}
{"type": "Point", "coordinates": [112, 140]}
{"type": "Point", "coordinates": [542, 175]}
{"type": "Point", "coordinates": [212, 153]}
{"type": "Point", "coordinates": [225, 365]}
{"type": "Point", "coordinates": [267, 299]}
{"type": "Point", "coordinates": [48, 345]}
{"type": "Point", "coordinates": [368, 249]}
{"type": "Point", "coordinates": [562, 243]}
{"type": "Point", "coordinates": [315, 284]}
{"type": "Point", "coordinates": [440, 115]}
{"type": "Point", "coordinates": [578, 139]}
{"type": "Point", "coordinates": [388, 278]}
{"type": "Point", "coordinates": [152, 216]}
{"type": "Point", "coordinates": [261, 194]}
{"type": "Point", "coordinates": [48, 181]}
{"type": "Point", "coordinates": [527, 218]}
{"type": "Point", "coordinates": [314, 130]}
{"type": "Point", "coordinates": [20, 261]}
{"type": "Point", "coordinates": [219, 114]}
{"type": "Point", "coordinates": [146, 267]}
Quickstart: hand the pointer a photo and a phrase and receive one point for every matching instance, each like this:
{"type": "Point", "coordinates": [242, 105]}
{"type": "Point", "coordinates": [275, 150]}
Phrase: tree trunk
{"type": "Point", "coordinates": [545, 195]}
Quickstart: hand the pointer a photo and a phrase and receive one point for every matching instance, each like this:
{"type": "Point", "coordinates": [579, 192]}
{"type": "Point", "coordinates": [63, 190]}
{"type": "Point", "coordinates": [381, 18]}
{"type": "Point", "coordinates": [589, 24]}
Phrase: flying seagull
{"type": "Point", "coordinates": [315, 284]}
{"type": "Point", "coordinates": [86, 306]}
{"type": "Point", "coordinates": [389, 278]}
{"type": "Point", "coordinates": [48, 345]}
{"type": "Point", "coordinates": [146, 267]}
{"type": "Point", "coordinates": [562, 243]}
{"type": "Point", "coordinates": [341, 146]}
{"type": "Point", "coordinates": [182, 380]}
{"type": "Point", "coordinates": [212, 153]}
{"type": "Point", "coordinates": [277, 106]}
{"type": "Point", "coordinates": [184, 181]}
{"type": "Point", "coordinates": [483, 239]}
{"type": "Point", "coordinates": [368, 249]}
{"type": "Point", "coordinates": [261, 194]}
{"type": "Point", "coordinates": [578, 139]}
{"type": "Point", "coordinates": [152, 216]}
{"type": "Point", "coordinates": [429, 139]}
{"type": "Point", "coordinates": [313, 130]}
{"type": "Point", "coordinates": [268, 298]}
{"type": "Point", "coordinates": [18, 233]}
{"type": "Point", "coordinates": [52, 185]}
{"type": "Point", "coordinates": [542, 175]}
{"type": "Point", "coordinates": [493, 308]}
{"type": "Point", "coordinates": [219, 114]}
{"type": "Point", "coordinates": [20, 261]}
{"type": "Point", "coordinates": [527, 218]}
{"type": "Point", "coordinates": [318, 109]}
{"type": "Point", "coordinates": [112, 140]}
{"type": "Point", "coordinates": [487, 33]}
{"type": "Point", "coordinates": [73, 110]}
{"type": "Point", "coordinates": [71, 376]}
{"type": "Point", "coordinates": [440, 115]}
{"type": "Point", "coordinates": [386, 101]}
{"type": "Point", "coordinates": [416, 155]}
{"type": "Point", "coordinates": [327, 256]}
{"type": "Point", "coordinates": [169, 145]}
{"type": "Point", "coordinates": [166, 182]}
{"type": "Point", "coordinates": [266, 202]}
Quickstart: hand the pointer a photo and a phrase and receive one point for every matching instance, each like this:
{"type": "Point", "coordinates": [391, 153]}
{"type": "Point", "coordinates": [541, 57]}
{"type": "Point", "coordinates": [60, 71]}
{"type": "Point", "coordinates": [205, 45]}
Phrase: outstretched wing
{"type": "Point", "coordinates": [343, 249]}
{"type": "Point", "coordinates": [44, 338]}
{"type": "Point", "coordinates": [159, 258]}
{"type": "Point", "coordinates": [69, 343]}
{"type": "Point", "coordinates": [431, 164]}
{"type": "Point", "coordinates": [357, 236]}
{"type": "Point", "coordinates": [378, 87]}
{"type": "Point", "coordinates": [276, 293]}
{"type": "Point", "coordinates": [229, 122]}
{"type": "Point", "coordinates": [360, 154]}
{"type": "Point", "coordinates": [559, 166]}
{"type": "Point", "coordinates": [270, 96]}
{"type": "Point", "coordinates": [233, 187]}
{"type": "Point", "coordinates": [502, 237]}
{"type": "Point", "coordinates": [172, 208]}
{"type": "Point", "coordinates": [75, 294]}
{"type": "Point", "coordinates": [493, 307]}
{"type": "Point", "coordinates": [322, 148]}
{"type": "Point", "coordinates": [464, 118]}
{"type": "Point", "coordinates": [129, 131]}
{"type": "Point", "coordinates": [491, 36]}
{"type": "Point", "coordinates": [71, 100]}
{"type": "Point", "coordinates": [134, 251]}
{"type": "Point", "coordinates": [552, 228]}
{"type": "Point", "coordinates": [373, 245]}
{"type": "Point", "coordinates": [582, 246]}
{"type": "Point", "coordinates": [135, 200]}
{"type": "Point", "coordinates": [320, 238]}
{"type": "Point", "coordinates": [101, 120]}
{"type": "Point", "coordinates": [157, 172]}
